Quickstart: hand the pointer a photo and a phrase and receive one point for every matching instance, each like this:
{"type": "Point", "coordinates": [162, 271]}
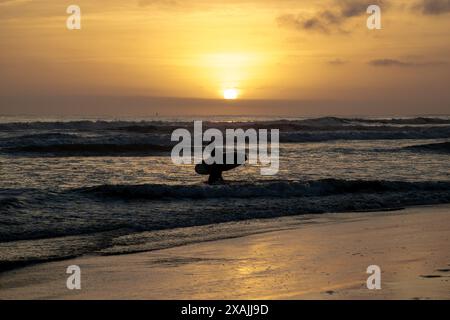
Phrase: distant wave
{"type": "Point", "coordinates": [404, 121]}
{"type": "Point", "coordinates": [166, 126]}
{"type": "Point", "coordinates": [433, 147]}
{"type": "Point", "coordinates": [66, 150]}
{"type": "Point", "coordinates": [62, 125]}
{"type": "Point", "coordinates": [276, 189]}
{"type": "Point", "coordinates": [152, 138]}
{"type": "Point", "coordinates": [39, 138]}
{"type": "Point", "coordinates": [118, 142]}
{"type": "Point", "coordinates": [377, 133]}
{"type": "Point", "coordinates": [47, 136]}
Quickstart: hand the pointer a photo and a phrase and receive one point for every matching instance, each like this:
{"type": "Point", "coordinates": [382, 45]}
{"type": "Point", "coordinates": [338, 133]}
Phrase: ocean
{"type": "Point", "coordinates": [73, 186]}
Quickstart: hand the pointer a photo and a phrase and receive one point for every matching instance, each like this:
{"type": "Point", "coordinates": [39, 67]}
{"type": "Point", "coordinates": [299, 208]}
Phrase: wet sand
{"type": "Point", "coordinates": [322, 259]}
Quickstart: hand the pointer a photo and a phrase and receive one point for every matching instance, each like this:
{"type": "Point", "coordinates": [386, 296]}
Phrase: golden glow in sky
{"type": "Point", "coordinates": [289, 50]}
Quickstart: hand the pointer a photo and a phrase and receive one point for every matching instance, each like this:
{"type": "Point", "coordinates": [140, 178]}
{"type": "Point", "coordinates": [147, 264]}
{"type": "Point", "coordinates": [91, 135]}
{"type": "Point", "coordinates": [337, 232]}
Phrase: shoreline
{"type": "Point", "coordinates": [325, 258]}
{"type": "Point", "coordinates": [238, 229]}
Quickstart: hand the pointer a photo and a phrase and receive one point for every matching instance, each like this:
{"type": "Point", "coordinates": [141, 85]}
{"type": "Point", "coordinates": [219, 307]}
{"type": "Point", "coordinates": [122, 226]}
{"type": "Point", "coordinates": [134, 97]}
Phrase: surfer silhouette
{"type": "Point", "coordinates": [215, 176]}
{"type": "Point", "coordinates": [215, 170]}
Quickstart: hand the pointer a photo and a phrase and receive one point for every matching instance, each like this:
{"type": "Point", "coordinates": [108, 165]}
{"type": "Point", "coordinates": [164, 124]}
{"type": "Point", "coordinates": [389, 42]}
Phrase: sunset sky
{"type": "Point", "coordinates": [177, 57]}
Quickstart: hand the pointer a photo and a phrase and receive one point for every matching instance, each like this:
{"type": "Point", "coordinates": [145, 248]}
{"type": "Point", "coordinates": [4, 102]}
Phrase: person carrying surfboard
{"type": "Point", "coordinates": [215, 170]}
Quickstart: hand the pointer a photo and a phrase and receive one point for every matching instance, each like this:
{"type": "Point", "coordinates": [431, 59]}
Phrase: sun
{"type": "Point", "coordinates": [230, 94]}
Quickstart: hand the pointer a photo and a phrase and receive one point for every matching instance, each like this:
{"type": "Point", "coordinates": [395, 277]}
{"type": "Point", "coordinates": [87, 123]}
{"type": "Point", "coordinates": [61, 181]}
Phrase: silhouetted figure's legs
{"type": "Point", "coordinates": [215, 176]}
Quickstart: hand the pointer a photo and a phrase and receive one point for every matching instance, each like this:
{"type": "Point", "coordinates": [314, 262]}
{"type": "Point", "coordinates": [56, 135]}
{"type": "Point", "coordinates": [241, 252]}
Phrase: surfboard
{"type": "Point", "coordinates": [206, 169]}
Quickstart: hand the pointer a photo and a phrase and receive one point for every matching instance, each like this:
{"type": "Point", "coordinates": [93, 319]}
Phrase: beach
{"type": "Point", "coordinates": [325, 258]}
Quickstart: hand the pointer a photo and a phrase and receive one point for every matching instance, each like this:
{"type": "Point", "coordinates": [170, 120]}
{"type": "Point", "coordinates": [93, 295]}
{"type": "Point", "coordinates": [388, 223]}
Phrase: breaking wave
{"type": "Point", "coordinates": [275, 189]}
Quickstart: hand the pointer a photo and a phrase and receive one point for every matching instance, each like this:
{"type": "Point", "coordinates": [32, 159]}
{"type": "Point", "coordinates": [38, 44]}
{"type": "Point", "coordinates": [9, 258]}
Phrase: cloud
{"type": "Point", "coordinates": [298, 22]}
{"type": "Point", "coordinates": [433, 7]}
{"type": "Point", "coordinates": [389, 63]}
{"type": "Point", "coordinates": [352, 8]}
{"type": "Point", "coordinates": [330, 19]}
{"type": "Point", "coordinates": [399, 63]}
